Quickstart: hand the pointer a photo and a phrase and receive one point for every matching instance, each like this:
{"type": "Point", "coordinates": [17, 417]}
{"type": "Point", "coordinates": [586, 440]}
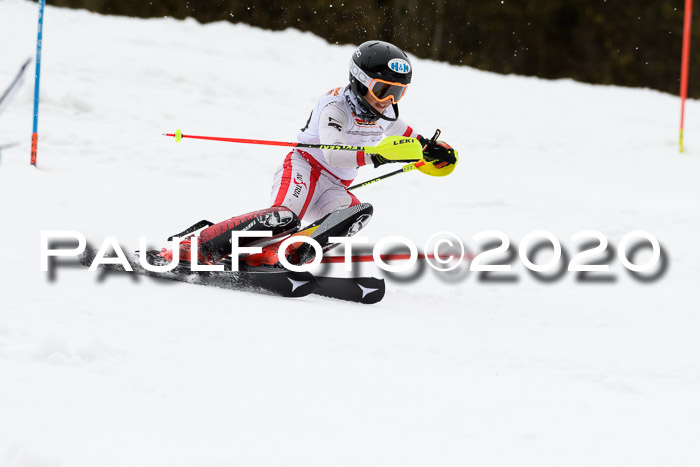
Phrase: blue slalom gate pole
{"type": "Point", "coordinates": [35, 137]}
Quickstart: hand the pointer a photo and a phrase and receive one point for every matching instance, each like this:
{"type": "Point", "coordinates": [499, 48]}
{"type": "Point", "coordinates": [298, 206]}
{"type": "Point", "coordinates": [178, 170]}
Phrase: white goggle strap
{"type": "Point", "coordinates": [359, 74]}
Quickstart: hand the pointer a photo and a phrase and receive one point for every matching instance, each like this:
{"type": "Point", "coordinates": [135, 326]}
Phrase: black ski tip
{"type": "Point", "coordinates": [285, 283]}
{"type": "Point", "coordinates": [367, 290]}
{"type": "Point", "coordinates": [372, 290]}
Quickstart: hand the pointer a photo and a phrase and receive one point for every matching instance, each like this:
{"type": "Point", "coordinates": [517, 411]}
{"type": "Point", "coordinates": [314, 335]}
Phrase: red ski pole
{"type": "Point", "coordinates": [684, 63]}
{"type": "Point", "coordinates": [397, 147]}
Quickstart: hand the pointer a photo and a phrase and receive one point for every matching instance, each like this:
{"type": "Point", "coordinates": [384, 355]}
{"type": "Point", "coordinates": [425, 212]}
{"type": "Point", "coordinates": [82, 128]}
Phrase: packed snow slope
{"type": "Point", "coordinates": [447, 370]}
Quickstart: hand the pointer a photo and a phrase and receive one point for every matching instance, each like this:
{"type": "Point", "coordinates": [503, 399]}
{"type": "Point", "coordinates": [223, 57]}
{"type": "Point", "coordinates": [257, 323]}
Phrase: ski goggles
{"type": "Point", "coordinates": [380, 89]}
{"type": "Point", "coordinates": [385, 90]}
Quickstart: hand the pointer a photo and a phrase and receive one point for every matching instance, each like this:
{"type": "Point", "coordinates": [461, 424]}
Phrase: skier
{"type": "Point", "coordinates": [313, 183]}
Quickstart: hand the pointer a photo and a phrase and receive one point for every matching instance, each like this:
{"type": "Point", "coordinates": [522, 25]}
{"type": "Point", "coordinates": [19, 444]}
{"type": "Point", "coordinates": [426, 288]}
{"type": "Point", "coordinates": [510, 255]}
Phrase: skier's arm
{"type": "Point", "coordinates": [401, 128]}
{"type": "Point", "coordinates": [332, 124]}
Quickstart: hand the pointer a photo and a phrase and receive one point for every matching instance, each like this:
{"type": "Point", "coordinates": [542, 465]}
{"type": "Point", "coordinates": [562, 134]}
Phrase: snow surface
{"type": "Point", "coordinates": [446, 371]}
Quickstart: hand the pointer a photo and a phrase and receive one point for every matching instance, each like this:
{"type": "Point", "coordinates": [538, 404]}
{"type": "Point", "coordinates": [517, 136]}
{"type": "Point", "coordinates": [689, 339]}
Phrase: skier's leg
{"type": "Point", "coordinates": [295, 185]}
{"type": "Point", "coordinates": [344, 222]}
{"type": "Point", "coordinates": [325, 195]}
{"type": "Point", "coordinates": [332, 199]}
{"type": "Point", "coordinates": [339, 214]}
{"type": "Point", "coordinates": [214, 242]}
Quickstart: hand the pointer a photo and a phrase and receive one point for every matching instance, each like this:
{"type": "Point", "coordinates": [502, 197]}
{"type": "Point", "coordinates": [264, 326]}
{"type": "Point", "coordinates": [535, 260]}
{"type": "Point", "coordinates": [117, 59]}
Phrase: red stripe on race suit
{"type": "Point", "coordinates": [285, 180]}
{"type": "Point", "coordinates": [316, 166]}
{"type": "Point", "coordinates": [315, 173]}
{"type": "Point", "coordinates": [355, 201]}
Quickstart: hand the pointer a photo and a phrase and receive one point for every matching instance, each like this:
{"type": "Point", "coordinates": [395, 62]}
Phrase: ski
{"type": "Point", "coordinates": [367, 290]}
{"type": "Point", "coordinates": [265, 280]}
{"type": "Point", "coordinates": [269, 282]}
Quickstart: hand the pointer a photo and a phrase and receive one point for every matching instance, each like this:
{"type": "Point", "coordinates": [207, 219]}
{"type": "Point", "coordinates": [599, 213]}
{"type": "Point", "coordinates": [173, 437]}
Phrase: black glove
{"type": "Point", "coordinates": [437, 151]}
{"type": "Point", "coordinates": [378, 160]}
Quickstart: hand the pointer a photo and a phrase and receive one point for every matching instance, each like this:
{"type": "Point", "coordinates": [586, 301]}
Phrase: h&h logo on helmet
{"type": "Point", "coordinates": [399, 65]}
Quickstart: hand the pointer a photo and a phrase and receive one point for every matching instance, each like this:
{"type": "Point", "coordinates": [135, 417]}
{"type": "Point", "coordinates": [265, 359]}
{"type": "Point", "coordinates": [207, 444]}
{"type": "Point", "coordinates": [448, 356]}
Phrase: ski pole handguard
{"type": "Point", "coordinates": [428, 168]}
{"type": "Point", "coordinates": [397, 148]}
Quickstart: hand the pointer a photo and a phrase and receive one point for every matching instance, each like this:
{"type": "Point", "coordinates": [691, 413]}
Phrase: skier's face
{"type": "Point", "coordinates": [378, 106]}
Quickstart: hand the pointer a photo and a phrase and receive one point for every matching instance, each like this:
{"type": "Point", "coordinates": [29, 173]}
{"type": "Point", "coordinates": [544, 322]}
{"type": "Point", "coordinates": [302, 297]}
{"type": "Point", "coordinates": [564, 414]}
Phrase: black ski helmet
{"type": "Point", "coordinates": [379, 60]}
